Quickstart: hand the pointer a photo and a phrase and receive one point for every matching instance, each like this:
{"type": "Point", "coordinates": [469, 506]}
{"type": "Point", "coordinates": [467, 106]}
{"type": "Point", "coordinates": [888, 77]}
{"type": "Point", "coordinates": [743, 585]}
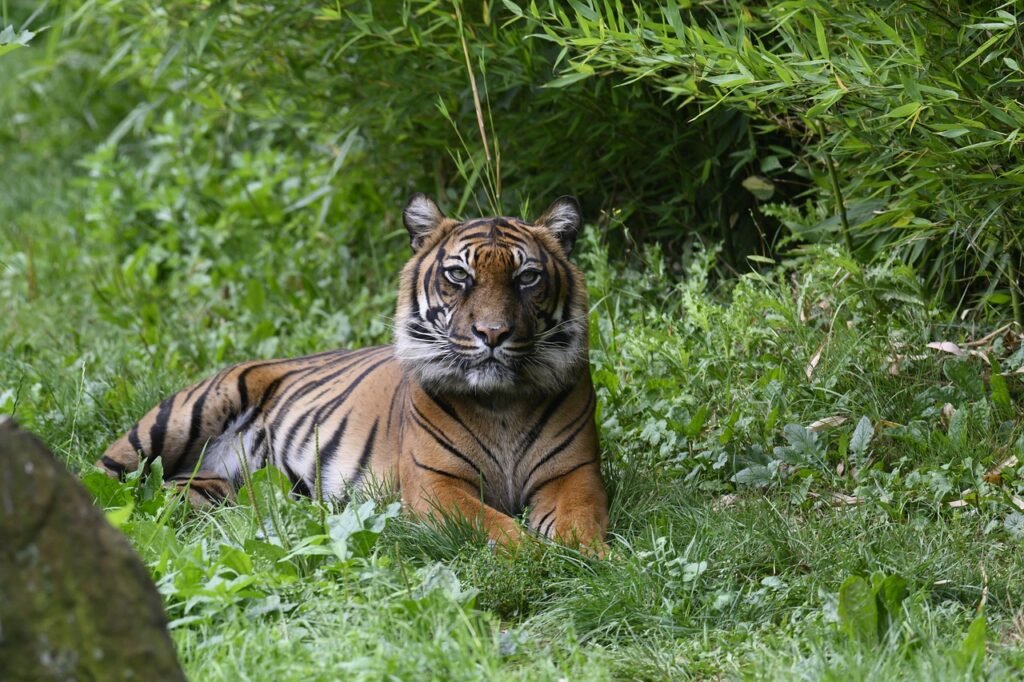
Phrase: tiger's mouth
{"type": "Point", "coordinates": [490, 374]}
{"type": "Point", "coordinates": [543, 364]}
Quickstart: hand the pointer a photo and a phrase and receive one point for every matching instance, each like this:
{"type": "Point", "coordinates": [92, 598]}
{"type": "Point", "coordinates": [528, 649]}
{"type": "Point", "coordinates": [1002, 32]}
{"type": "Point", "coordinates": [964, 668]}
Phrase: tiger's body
{"type": "Point", "coordinates": [483, 406]}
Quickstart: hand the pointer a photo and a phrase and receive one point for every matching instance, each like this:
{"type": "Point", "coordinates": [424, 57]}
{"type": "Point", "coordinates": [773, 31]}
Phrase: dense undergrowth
{"type": "Point", "coordinates": [801, 485]}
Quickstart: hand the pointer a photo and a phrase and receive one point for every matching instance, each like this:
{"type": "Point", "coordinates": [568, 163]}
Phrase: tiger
{"type": "Point", "coordinates": [482, 407]}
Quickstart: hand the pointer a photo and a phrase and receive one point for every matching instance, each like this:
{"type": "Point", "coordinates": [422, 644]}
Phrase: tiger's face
{"type": "Point", "coordinates": [492, 306]}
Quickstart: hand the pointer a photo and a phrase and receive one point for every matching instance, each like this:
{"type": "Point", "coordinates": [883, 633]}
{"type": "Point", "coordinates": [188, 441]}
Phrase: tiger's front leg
{"type": "Point", "coordinates": [574, 510]}
{"type": "Point", "coordinates": [436, 494]}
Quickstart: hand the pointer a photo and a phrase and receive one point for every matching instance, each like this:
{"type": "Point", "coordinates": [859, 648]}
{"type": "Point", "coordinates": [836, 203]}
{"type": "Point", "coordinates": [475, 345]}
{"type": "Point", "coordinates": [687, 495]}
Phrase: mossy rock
{"type": "Point", "coordinates": [76, 603]}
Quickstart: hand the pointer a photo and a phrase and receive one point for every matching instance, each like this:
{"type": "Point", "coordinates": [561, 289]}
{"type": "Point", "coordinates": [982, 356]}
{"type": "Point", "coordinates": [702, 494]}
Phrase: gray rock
{"type": "Point", "coordinates": [76, 603]}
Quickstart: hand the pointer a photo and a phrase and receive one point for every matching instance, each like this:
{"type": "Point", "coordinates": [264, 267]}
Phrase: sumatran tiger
{"type": "Point", "coordinates": [483, 407]}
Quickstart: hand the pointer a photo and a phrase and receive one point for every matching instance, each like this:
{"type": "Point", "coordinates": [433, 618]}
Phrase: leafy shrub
{"type": "Point", "coordinates": [903, 119]}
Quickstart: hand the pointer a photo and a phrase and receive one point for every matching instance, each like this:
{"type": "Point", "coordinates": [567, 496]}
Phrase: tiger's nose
{"type": "Point", "coordinates": [492, 334]}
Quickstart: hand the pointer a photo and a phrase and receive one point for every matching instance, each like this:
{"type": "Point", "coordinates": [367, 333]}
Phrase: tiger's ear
{"type": "Point", "coordinates": [563, 220]}
{"type": "Point", "coordinates": [421, 217]}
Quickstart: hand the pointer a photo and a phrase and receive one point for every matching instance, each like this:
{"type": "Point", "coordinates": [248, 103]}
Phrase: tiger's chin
{"type": "Point", "coordinates": [491, 376]}
{"type": "Point", "coordinates": [495, 379]}
{"type": "Point", "coordinates": [486, 378]}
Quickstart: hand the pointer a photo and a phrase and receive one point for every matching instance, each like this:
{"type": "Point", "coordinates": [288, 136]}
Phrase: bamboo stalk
{"type": "Point", "coordinates": [837, 192]}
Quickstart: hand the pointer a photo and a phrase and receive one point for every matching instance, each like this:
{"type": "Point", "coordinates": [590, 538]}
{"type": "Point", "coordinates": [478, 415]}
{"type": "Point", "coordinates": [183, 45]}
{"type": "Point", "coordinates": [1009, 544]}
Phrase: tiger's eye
{"type": "Point", "coordinates": [457, 275]}
{"type": "Point", "coordinates": [529, 278]}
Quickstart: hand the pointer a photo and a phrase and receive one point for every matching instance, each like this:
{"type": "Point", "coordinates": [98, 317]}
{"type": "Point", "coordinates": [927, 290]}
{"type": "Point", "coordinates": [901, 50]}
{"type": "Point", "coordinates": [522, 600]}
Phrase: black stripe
{"type": "Point", "coordinates": [196, 424]}
{"type": "Point", "coordinates": [537, 488]}
{"type": "Point", "coordinates": [534, 433]}
{"type": "Point", "coordinates": [450, 411]}
{"type": "Point", "coordinates": [540, 524]}
{"type": "Point", "coordinates": [213, 495]}
{"type": "Point", "coordinates": [426, 286]}
{"type": "Point", "coordinates": [419, 331]}
{"type": "Point", "coordinates": [325, 410]}
{"type": "Point", "coordinates": [556, 450]}
{"type": "Point", "coordinates": [556, 294]}
{"type": "Point", "coordinates": [268, 393]}
{"type": "Point", "coordinates": [488, 234]}
{"type": "Point", "coordinates": [115, 467]}
{"type": "Point", "coordinates": [298, 483]}
{"type": "Point", "coordinates": [192, 392]}
{"type": "Point", "coordinates": [244, 425]}
{"type": "Point", "coordinates": [133, 438]}
{"type": "Point", "coordinates": [550, 524]}
{"type": "Point", "coordinates": [570, 287]}
{"type": "Point", "coordinates": [330, 449]}
{"type": "Point", "coordinates": [425, 424]}
{"type": "Point", "coordinates": [158, 432]}
{"type": "Point", "coordinates": [508, 235]}
{"type": "Point", "coordinates": [355, 358]}
{"type": "Point", "coordinates": [297, 391]}
{"type": "Point", "coordinates": [391, 409]}
{"type": "Point", "coordinates": [365, 457]}
{"type": "Point", "coordinates": [301, 488]}
{"type": "Point", "coordinates": [302, 390]}
{"type": "Point", "coordinates": [414, 300]}
{"type": "Point", "coordinates": [439, 471]}
{"type": "Point", "coordinates": [587, 410]}
{"type": "Point", "coordinates": [243, 388]}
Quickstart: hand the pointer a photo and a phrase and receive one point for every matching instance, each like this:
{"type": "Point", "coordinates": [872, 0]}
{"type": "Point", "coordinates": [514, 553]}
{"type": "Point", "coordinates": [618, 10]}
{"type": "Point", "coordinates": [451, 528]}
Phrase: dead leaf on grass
{"type": "Point", "coordinates": [995, 474]}
{"type": "Point", "coordinates": [827, 423]}
{"type": "Point", "coordinates": [836, 499]}
{"type": "Point", "coordinates": [815, 359]}
{"type": "Point", "coordinates": [947, 347]}
{"type": "Point", "coordinates": [727, 500]}
{"type": "Point", "coordinates": [947, 413]}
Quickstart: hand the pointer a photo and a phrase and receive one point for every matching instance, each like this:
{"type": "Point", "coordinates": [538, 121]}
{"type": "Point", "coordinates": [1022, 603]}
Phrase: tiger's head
{"type": "Point", "coordinates": [492, 306]}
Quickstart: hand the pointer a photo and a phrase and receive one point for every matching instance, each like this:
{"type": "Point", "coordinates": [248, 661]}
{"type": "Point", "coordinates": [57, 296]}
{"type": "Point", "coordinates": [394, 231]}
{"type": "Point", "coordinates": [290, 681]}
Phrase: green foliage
{"type": "Point", "coordinates": [11, 40]}
{"type": "Point", "coordinates": [189, 185]}
{"type": "Point", "coordinates": [867, 610]}
{"type": "Point", "coordinates": [902, 120]}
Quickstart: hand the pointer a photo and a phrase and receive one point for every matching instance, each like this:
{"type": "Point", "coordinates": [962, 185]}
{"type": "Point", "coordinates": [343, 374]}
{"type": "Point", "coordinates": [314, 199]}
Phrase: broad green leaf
{"type": "Point", "coordinates": [697, 421]}
{"type": "Point", "coordinates": [904, 111]}
{"type": "Point", "coordinates": [730, 80]}
{"type": "Point", "coordinates": [957, 430]}
{"type": "Point", "coordinates": [972, 651]}
{"type": "Point", "coordinates": [236, 559]}
{"type": "Point", "coordinates": [567, 79]}
{"type": "Point", "coordinates": [758, 476]}
{"type": "Point", "coordinates": [999, 390]}
{"type": "Point", "coordinates": [819, 34]}
{"type": "Point", "coordinates": [890, 591]}
{"type": "Point", "coordinates": [760, 187]}
{"type": "Point", "coordinates": [9, 40]}
{"type": "Point", "coordinates": [954, 132]}
{"type": "Point", "coordinates": [858, 610]}
{"type": "Point", "coordinates": [513, 7]}
{"type": "Point", "coordinates": [118, 516]}
{"type": "Point", "coordinates": [269, 484]}
{"type": "Point", "coordinates": [861, 438]}
{"type": "Point", "coordinates": [825, 101]}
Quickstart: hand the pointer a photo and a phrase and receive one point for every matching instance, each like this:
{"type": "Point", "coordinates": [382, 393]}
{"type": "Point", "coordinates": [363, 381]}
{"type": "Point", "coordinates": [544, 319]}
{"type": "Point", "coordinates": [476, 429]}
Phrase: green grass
{"type": "Point", "coordinates": [124, 279]}
{"type": "Point", "coordinates": [708, 576]}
